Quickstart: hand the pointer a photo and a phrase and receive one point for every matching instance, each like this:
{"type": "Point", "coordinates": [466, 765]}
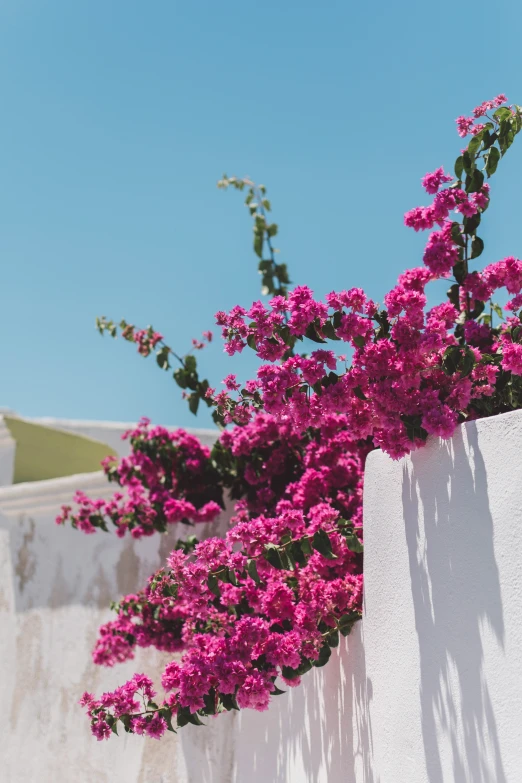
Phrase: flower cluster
{"type": "Point", "coordinates": [467, 125]}
{"type": "Point", "coordinates": [167, 478]}
{"type": "Point", "coordinates": [267, 602]}
{"type": "Point", "coordinates": [415, 372]}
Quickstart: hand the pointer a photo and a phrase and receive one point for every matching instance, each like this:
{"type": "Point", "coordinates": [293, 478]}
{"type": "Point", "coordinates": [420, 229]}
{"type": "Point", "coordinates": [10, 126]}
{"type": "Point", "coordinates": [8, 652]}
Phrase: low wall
{"type": "Point", "coordinates": [426, 690]}
{"type": "Point", "coordinates": [7, 454]}
{"type": "Point", "coordinates": [110, 432]}
{"type": "Point", "coordinates": [55, 588]}
{"type": "Point", "coordinates": [443, 604]}
{"type": "Point", "coordinates": [429, 689]}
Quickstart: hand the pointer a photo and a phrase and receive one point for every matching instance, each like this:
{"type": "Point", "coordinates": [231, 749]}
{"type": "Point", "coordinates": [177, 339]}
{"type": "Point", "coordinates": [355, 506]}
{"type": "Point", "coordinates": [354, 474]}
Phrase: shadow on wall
{"type": "Point", "coordinates": [451, 556]}
{"type": "Point", "coordinates": [319, 732]}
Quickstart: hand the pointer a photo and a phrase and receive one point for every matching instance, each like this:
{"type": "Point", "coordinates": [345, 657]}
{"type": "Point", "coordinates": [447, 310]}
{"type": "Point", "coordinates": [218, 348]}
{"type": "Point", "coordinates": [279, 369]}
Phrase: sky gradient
{"type": "Point", "coordinates": [119, 117]}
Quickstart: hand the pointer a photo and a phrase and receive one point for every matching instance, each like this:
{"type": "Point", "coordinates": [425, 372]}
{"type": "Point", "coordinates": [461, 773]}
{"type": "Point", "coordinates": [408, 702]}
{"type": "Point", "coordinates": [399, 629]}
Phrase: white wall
{"type": "Point", "coordinates": [7, 454]}
{"type": "Point", "coordinates": [428, 690]}
{"type": "Point", "coordinates": [55, 588]}
{"type": "Point", "coordinates": [319, 732]}
{"type": "Point", "coordinates": [443, 626]}
{"type": "Point", "coordinates": [110, 432]}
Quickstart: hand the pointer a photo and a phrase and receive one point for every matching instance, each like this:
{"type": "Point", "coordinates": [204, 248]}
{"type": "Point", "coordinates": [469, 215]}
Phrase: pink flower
{"type": "Point", "coordinates": [230, 383]}
{"type": "Point", "coordinates": [464, 125]}
{"type": "Point", "coordinates": [432, 182]}
{"type": "Point", "coordinates": [512, 357]}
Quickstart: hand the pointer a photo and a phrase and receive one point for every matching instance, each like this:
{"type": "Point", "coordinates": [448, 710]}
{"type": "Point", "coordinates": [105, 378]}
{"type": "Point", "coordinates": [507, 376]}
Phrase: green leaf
{"type": "Point", "coordinates": [194, 719]}
{"type": "Point", "coordinates": [492, 161]}
{"type": "Point", "coordinates": [232, 577]}
{"type": "Point", "coordinates": [502, 113]}
{"type": "Point", "coordinates": [506, 135]}
{"type": "Point", "coordinates": [190, 363]}
{"type": "Point", "coordinates": [478, 309]}
{"type": "Point", "coordinates": [347, 622]}
{"type": "Point", "coordinates": [322, 544]}
{"type": "Point", "coordinates": [468, 362]}
{"type": "Point", "coordinates": [272, 553]}
{"type": "Point", "coordinates": [304, 666]}
{"type": "Point", "coordinates": [126, 719]}
{"type": "Point", "coordinates": [271, 230]}
{"type": "Point", "coordinates": [324, 656]}
{"type": "Point", "coordinates": [467, 162]}
{"type": "Point", "coordinates": [328, 330]}
{"type": "Point", "coordinates": [476, 180]}
{"type": "Point", "coordinates": [210, 702]}
{"type": "Point", "coordinates": [184, 716]}
{"type": "Point", "coordinates": [490, 137]}
{"type": "Point", "coordinates": [471, 223]}
{"type": "Point", "coordinates": [291, 674]}
{"type": "Point", "coordinates": [281, 271]}
{"type": "Point", "coordinates": [166, 713]}
{"type": "Point", "coordinates": [297, 553]}
{"type": "Point", "coordinates": [181, 377]}
{"type": "Point", "coordinates": [252, 571]}
{"type": "Point", "coordinates": [459, 167]}
{"type": "Point", "coordinates": [193, 403]}
{"type": "Point", "coordinates": [213, 585]}
{"type": "Point", "coordinates": [277, 691]}
{"type": "Point", "coordinates": [258, 243]}
{"type": "Point", "coordinates": [228, 700]}
{"type": "Point", "coordinates": [353, 543]}
{"type": "Point", "coordinates": [475, 144]}
{"type": "Point", "coordinates": [498, 310]}
{"type": "Point", "coordinates": [162, 358]}
{"type": "Point", "coordinates": [311, 333]}
{"type": "Point", "coordinates": [453, 295]}
{"type": "Point", "coordinates": [477, 246]}
{"type": "Point", "coordinates": [306, 546]}
{"type": "Point", "coordinates": [451, 358]}
{"type": "Point", "coordinates": [456, 235]}
{"type": "Point", "coordinates": [459, 271]}
{"type": "Point", "coordinates": [287, 559]}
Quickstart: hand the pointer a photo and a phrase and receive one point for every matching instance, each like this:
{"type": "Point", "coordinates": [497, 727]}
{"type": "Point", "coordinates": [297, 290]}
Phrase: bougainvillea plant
{"type": "Point", "coordinates": [266, 603]}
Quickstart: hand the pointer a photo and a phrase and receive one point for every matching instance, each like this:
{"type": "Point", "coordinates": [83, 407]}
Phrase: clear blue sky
{"type": "Point", "coordinates": [119, 117]}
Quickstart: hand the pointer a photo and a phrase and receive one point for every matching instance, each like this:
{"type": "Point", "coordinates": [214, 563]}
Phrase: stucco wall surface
{"type": "Point", "coordinates": [7, 454]}
{"type": "Point", "coordinates": [426, 690]}
{"type": "Point", "coordinates": [55, 588]}
{"type": "Point", "coordinates": [429, 689]}
{"type": "Point", "coordinates": [443, 604]}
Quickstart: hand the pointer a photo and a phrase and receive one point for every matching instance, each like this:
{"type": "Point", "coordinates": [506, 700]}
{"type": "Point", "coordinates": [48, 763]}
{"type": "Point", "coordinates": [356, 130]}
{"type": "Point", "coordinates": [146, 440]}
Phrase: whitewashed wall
{"type": "Point", "coordinates": [55, 588]}
{"type": "Point", "coordinates": [7, 455]}
{"type": "Point", "coordinates": [110, 432]}
{"type": "Point", "coordinates": [428, 690]}
{"type": "Point", "coordinates": [443, 626]}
